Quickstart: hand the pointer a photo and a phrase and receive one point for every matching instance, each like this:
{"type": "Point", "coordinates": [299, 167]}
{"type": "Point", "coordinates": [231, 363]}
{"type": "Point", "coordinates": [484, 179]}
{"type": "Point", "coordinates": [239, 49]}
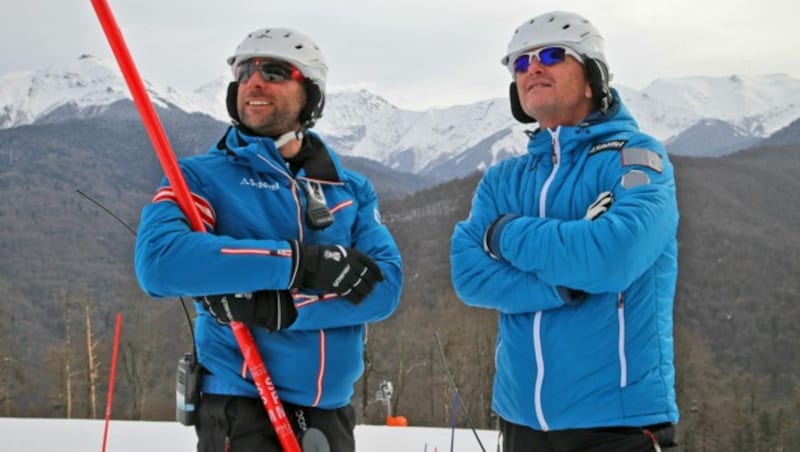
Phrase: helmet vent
{"type": "Point", "coordinates": [565, 27]}
{"type": "Point", "coordinates": [298, 46]}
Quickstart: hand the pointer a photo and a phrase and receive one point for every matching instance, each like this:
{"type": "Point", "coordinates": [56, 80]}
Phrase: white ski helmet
{"type": "Point", "coordinates": [569, 30]}
{"type": "Point", "coordinates": [293, 47]}
{"type": "Point", "coordinates": [556, 28]}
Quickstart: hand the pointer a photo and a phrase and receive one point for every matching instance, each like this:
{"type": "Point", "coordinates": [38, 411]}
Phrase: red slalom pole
{"type": "Point", "coordinates": [255, 364]}
{"type": "Point", "coordinates": [112, 378]}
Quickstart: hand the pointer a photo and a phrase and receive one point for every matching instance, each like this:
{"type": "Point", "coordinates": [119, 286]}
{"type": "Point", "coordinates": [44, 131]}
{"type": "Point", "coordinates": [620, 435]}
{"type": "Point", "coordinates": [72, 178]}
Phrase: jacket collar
{"type": "Point", "coordinates": [260, 153]}
{"type": "Point", "coordinates": [594, 126]}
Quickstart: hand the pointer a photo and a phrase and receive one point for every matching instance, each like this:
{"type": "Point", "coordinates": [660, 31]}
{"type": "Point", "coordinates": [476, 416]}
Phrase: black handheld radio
{"type": "Point", "coordinates": [318, 216]}
{"type": "Point", "coordinates": [187, 389]}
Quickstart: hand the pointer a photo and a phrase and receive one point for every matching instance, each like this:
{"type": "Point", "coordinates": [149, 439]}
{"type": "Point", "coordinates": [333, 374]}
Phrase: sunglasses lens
{"type": "Point", "coordinates": [270, 71]}
{"type": "Point", "coordinates": [552, 55]}
{"type": "Point", "coordinates": [273, 72]}
{"type": "Point", "coordinates": [245, 70]}
{"type": "Point", "coordinates": [522, 63]}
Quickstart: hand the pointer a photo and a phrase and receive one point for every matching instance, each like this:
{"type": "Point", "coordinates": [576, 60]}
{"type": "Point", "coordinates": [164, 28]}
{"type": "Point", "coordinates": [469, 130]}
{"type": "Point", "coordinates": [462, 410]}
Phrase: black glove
{"type": "Point", "coordinates": [270, 309]}
{"type": "Point", "coordinates": [347, 272]}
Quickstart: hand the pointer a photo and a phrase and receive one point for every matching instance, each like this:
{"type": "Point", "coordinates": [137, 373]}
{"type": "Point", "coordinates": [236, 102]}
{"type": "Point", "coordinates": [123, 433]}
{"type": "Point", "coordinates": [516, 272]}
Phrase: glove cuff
{"type": "Point", "coordinates": [494, 233]}
{"type": "Point", "coordinates": [305, 261]}
{"type": "Point", "coordinates": [571, 296]}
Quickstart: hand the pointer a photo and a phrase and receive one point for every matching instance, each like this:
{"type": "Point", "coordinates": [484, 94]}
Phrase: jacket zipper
{"type": "Point", "coordinates": [556, 157]}
{"type": "Point", "coordinates": [537, 319]}
{"type": "Point", "coordinates": [537, 348]}
{"type": "Point", "coordinates": [623, 360]}
{"type": "Point", "coordinates": [298, 202]}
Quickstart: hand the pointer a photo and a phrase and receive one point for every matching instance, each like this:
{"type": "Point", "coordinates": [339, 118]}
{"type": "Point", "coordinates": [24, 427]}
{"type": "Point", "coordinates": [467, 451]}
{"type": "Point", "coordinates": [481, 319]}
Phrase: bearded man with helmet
{"type": "Point", "coordinates": [295, 250]}
{"type": "Point", "coordinates": [574, 244]}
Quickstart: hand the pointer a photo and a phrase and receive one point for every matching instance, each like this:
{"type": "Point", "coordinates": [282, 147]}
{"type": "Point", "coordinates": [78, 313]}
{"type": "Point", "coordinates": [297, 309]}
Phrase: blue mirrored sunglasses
{"type": "Point", "coordinates": [271, 71]}
{"type": "Point", "coordinates": [548, 56]}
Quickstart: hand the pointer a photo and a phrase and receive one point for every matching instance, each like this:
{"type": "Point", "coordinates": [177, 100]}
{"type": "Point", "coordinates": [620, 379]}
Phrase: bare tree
{"type": "Point", "coordinates": [91, 362]}
{"type": "Point", "coordinates": [11, 374]}
{"type": "Point", "coordinates": [402, 371]}
{"type": "Point", "coordinates": [67, 354]}
{"type": "Point", "coordinates": [368, 357]}
{"type": "Point", "coordinates": [467, 336]}
{"type": "Point", "coordinates": [138, 352]}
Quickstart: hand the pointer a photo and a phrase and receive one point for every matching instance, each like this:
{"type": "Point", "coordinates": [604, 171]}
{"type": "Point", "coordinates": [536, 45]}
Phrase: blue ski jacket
{"type": "Point", "coordinates": [251, 205]}
{"type": "Point", "coordinates": [585, 327]}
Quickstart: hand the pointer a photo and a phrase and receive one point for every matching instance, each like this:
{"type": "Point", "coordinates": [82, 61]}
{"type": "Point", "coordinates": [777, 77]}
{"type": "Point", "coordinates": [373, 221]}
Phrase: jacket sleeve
{"type": "Point", "coordinates": [171, 260]}
{"type": "Point", "coordinates": [373, 238]}
{"type": "Point", "coordinates": [609, 253]}
{"type": "Point", "coordinates": [482, 281]}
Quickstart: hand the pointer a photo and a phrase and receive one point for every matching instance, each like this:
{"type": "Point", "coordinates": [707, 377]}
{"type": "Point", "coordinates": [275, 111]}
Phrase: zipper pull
{"type": "Point", "coordinates": [556, 146]}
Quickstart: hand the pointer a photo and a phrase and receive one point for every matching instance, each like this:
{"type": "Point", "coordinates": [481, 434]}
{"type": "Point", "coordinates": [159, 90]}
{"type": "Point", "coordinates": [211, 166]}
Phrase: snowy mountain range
{"type": "Point", "coordinates": [719, 114]}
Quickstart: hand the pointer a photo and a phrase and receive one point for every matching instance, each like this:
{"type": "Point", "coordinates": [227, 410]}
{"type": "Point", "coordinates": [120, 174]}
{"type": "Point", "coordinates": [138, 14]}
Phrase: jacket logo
{"type": "Point", "coordinates": [332, 255]}
{"type": "Point", "coordinates": [261, 185]}
{"type": "Point", "coordinates": [614, 145]}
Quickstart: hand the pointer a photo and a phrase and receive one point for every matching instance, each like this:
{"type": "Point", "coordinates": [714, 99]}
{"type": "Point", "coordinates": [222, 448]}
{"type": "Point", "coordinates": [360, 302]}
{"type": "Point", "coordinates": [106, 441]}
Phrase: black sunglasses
{"type": "Point", "coordinates": [271, 71]}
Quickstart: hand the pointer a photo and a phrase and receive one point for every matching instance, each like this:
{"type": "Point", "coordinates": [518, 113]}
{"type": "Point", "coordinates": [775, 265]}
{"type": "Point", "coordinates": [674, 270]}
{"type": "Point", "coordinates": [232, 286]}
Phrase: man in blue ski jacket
{"type": "Point", "coordinates": [574, 243]}
{"type": "Point", "coordinates": [295, 249]}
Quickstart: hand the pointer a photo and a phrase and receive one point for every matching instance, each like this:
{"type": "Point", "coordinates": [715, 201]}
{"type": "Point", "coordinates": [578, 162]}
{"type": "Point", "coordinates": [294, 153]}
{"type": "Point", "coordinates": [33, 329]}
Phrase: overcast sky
{"type": "Point", "coordinates": [415, 53]}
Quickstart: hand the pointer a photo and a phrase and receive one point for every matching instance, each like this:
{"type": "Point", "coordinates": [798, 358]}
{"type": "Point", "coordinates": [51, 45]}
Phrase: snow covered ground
{"type": "Point", "coordinates": [79, 435]}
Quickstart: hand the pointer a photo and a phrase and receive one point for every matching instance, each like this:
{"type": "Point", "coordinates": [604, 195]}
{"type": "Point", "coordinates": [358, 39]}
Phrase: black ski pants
{"type": "Point", "coordinates": [240, 424]}
{"type": "Point", "coordinates": [518, 438]}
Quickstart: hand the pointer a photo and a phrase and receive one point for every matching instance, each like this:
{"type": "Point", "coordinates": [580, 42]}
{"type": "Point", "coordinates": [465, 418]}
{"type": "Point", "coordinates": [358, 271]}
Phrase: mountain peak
{"type": "Point", "coordinates": [759, 104]}
{"type": "Point", "coordinates": [85, 82]}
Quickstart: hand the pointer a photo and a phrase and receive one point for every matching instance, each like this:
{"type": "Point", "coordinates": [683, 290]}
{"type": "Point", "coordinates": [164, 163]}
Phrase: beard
{"type": "Point", "coordinates": [276, 115]}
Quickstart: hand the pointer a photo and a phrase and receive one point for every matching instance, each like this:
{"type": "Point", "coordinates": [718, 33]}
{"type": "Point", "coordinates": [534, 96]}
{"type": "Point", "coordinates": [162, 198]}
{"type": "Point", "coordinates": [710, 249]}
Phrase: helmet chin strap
{"type": "Point", "coordinates": [287, 137]}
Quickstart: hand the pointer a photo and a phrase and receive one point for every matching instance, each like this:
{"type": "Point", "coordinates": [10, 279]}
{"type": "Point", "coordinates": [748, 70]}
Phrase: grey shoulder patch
{"type": "Point", "coordinates": [613, 145]}
{"type": "Point", "coordinates": [642, 157]}
{"type": "Point", "coordinates": [634, 178]}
